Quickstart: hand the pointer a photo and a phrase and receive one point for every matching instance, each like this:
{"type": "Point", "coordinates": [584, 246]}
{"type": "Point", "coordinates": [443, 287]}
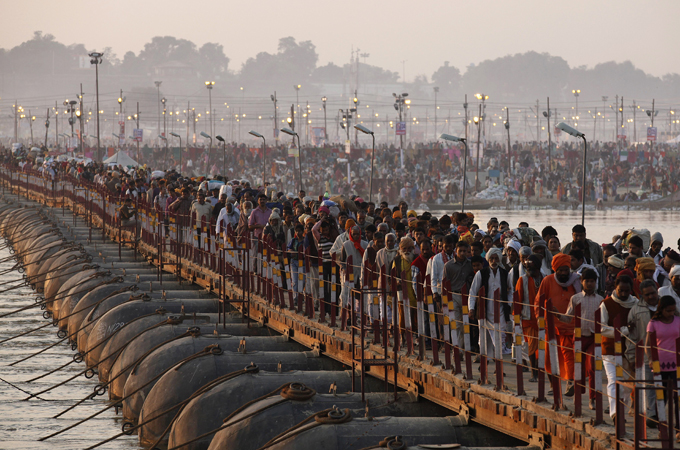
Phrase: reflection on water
{"type": "Point", "coordinates": [600, 225]}
{"type": "Point", "coordinates": [22, 423]}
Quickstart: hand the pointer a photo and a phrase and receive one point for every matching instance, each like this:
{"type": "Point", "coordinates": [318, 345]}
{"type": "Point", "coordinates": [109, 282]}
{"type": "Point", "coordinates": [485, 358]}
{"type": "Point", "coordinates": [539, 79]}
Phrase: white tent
{"type": "Point", "coordinates": [120, 158]}
{"type": "Point", "coordinates": [675, 140]}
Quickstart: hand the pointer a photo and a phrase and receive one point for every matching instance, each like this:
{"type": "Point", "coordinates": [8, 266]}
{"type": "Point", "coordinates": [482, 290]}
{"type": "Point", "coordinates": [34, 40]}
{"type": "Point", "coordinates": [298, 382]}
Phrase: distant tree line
{"type": "Point", "coordinates": [519, 77]}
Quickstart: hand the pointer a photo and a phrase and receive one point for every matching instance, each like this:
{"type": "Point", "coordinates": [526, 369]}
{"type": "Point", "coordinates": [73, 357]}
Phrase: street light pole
{"type": "Point", "coordinates": [264, 153]}
{"type": "Point", "coordinates": [448, 137]}
{"type": "Point", "coordinates": [207, 169]}
{"type": "Point", "coordinates": [121, 119]}
{"type": "Point", "coordinates": [325, 133]}
{"type": "Point", "coordinates": [158, 103]}
{"type": "Point", "coordinates": [224, 153]}
{"type": "Point", "coordinates": [180, 149]}
{"type": "Point", "coordinates": [576, 93]}
{"type": "Point", "coordinates": [96, 60]}
{"type": "Point", "coordinates": [276, 120]}
{"type": "Point", "coordinates": [365, 130]}
{"type": "Point", "coordinates": [209, 85]}
{"type": "Point", "coordinates": [436, 91]}
{"type": "Point", "coordinates": [290, 132]}
{"type": "Point", "coordinates": [507, 127]}
{"type": "Point", "coordinates": [477, 121]}
{"type": "Point", "coordinates": [577, 134]}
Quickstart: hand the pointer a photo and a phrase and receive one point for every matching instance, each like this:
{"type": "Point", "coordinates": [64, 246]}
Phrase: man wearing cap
{"type": "Point", "coordinates": [674, 288]}
{"type": "Point", "coordinates": [670, 259]}
{"type": "Point", "coordinates": [655, 246]}
{"type": "Point", "coordinates": [559, 287]}
{"type": "Point", "coordinates": [227, 218]}
{"type": "Point", "coordinates": [614, 266]}
{"type": "Point", "coordinates": [493, 278]}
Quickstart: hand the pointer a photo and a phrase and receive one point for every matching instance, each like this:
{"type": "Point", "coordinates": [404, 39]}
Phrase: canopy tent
{"type": "Point", "coordinates": [120, 158]}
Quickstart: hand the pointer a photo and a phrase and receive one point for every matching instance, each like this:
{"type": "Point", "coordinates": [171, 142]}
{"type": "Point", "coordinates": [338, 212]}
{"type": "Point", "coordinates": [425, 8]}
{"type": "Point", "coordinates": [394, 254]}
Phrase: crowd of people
{"type": "Point", "coordinates": [431, 173]}
{"type": "Point", "coordinates": [627, 290]}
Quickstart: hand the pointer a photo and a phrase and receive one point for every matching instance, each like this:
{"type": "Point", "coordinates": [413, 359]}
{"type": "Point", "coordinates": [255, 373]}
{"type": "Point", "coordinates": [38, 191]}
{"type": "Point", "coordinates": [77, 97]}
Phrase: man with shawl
{"type": "Point", "coordinates": [559, 287]}
{"type": "Point", "coordinates": [435, 269]}
{"type": "Point", "coordinates": [228, 218]}
{"type": "Point", "coordinates": [354, 247]}
{"type": "Point", "coordinates": [401, 269]}
{"type": "Point", "coordinates": [383, 261]}
{"type": "Point", "coordinates": [527, 286]}
{"type": "Point", "coordinates": [492, 278]}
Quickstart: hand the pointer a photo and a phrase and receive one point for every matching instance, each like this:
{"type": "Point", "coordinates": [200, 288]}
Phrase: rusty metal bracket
{"type": "Point", "coordinates": [537, 439]}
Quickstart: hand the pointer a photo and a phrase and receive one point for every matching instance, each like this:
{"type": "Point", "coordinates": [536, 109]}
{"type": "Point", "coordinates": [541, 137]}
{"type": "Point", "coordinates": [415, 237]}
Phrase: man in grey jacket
{"type": "Point", "coordinates": [592, 250]}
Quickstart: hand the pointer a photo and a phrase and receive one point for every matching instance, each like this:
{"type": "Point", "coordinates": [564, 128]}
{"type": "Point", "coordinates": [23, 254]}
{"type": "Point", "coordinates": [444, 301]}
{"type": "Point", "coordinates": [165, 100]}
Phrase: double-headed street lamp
{"type": "Point", "coordinates": [173, 134]}
{"type": "Point", "coordinates": [209, 85]}
{"type": "Point", "coordinates": [399, 101]}
{"type": "Point", "coordinates": [576, 93]}
{"type": "Point", "coordinates": [574, 132]}
{"type": "Point", "coordinates": [451, 138]}
{"type": "Point", "coordinates": [97, 60]}
{"type": "Point", "coordinates": [290, 132]}
{"type": "Point", "coordinates": [365, 130]}
{"type": "Point", "coordinates": [264, 152]}
{"type": "Point", "coordinates": [325, 132]}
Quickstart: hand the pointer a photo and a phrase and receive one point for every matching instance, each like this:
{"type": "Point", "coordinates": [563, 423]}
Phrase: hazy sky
{"type": "Point", "coordinates": [424, 34]}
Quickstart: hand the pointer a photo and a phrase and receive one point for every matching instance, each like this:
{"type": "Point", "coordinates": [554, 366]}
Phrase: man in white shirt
{"type": "Point", "coordinates": [674, 288]}
{"type": "Point", "coordinates": [492, 278]}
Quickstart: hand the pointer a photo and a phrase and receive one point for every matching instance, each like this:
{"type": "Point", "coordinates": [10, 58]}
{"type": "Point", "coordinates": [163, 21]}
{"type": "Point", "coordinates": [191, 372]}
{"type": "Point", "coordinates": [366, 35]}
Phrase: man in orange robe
{"type": "Point", "coordinates": [559, 288]}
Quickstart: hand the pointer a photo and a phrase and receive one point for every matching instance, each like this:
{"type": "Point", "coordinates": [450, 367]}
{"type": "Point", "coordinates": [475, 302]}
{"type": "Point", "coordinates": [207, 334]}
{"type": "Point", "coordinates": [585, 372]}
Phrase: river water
{"type": "Point", "coordinates": [22, 423]}
{"type": "Point", "coordinates": [600, 225]}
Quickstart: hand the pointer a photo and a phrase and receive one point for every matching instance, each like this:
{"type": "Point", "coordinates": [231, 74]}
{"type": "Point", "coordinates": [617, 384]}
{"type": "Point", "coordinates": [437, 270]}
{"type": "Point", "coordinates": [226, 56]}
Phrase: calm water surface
{"type": "Point", "coordinates": [22, 423]}
{"type": "Point", "coordinates": [600, 225]}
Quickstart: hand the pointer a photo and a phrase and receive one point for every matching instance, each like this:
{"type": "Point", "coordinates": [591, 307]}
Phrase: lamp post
{"type": "Point", "coordinates": [365, 130]}
{"type": "Point", "coordinates": [209, 85]}
{"type": "Point", "coordinates": [399, 101]}
{"type": "Point", "coordinates": [165, 160]}
{"type": "Point", "coordinates": [482, 113]}
{"type": "Point", "coordinates": [96, 60]}
{"type": "Point", "coordinates": [290, 132]}
{"type": "Point", "coordinates": [547, 115]}
{"type": "Point", "coordinates": [477, 120]}
{"type": "Point", "coordinates": [207, 136]}
{"type": "Point", "coordinates": [276, 121]}
{"type": "Point", "coordinates": [448, 137]}
{"type": "Point", "coordinates": [297, 88]}
{"type": "Point", "coordinates": [574, 132]}
{"type": "Point", "coordinates": [436, 91]}
{"type": "Point", "coordinates": [163, 100]}
{"type": "Point", "coordinates": [79, 116]}
{"type": "Point", "coordinates": [121, 119]}
{"type": "Point", "coordinates": [180, 149]}
{"type": "Point", "coordinates": [158, 104]}
{"type": "Point", "coordinates": [31, 119]}
{"type": "Point", "coordinates": [224, 153]}
{"type": "Point", "coordinates": [325, 133]}
{"type": "Point", "coordinates": [576, 93]}
{"type": "Point", "coordinates": [264, 153]}
{"type": "Point", "coordinates": [507, 128]}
